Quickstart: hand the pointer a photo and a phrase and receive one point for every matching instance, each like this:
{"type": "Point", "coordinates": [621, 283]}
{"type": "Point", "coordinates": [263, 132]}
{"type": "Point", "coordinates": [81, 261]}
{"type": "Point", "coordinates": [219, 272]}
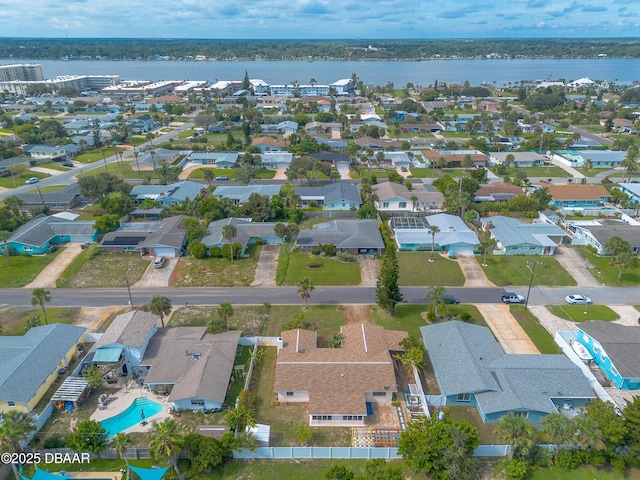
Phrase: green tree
{"type": "Point", "coordinates": [487, 243]}
{"type": "Point", "coordinates": [281, 230]}
{"type": "Point", "coordinates": [435, 297]}
{"type": "Point", "coordinates": [632, 424]}
{"type": "Point", "coordinates": [379, 469]}
{"type": "Point", "coordinates": [208, 175]}
{"type": "Point", "coordinates": [433, 229]}
{"type": "Point", "coordinates": [558, 430]}
{"type": "Point", "coordinates": [443, 449]}
{"type": "Point", "coordinates": [121, 443]}
{"type": "Point", "coordinates": [89, 436]}
{"type": "Point", "coordinates": [14, 428]}
{"type": "Point", "coordinates": [32, 321]}
{"type": "Point", "coordinates": [616, 245]}
{"type": "Point", "coordinates": [240, 417]}
{"type": "Point", "coordinates": [292, 232]}
{"type": "Point", "coordinates": [517, 432]}
{"type": "Point", "coordinates": [165, 443]}
{"type": "Point", "coordinates": [40, 296]}
{"type": "Point", "coordinates": [225, 312]}
{"type": "Point", "coordinates": [4, 238]}
{"type": "Point", "coordinates": [338, 472]}
{"type": "Point", "coordinates": [388, 293]}
{"type": "Point", "coordinates": [608, 420]}
{"type": "Point", "coordinates": [467, 162]}
{"type": "Point", "coordinates": [206, 453]}
{"type": "Point", "coordinates": [247, 441]}
{"type": "Point", "coordinates": [630, 162]}
{"type": "Point", "coordinates": [305, 287]}
{"type": "Point", "coordinates": [107, 223]}
{"type": "Point", "coordinates": [94, 378]}
{"type": "Point", "coordinates": [160, 305]}
{"type": "Point", "coordinates": [229, 233]}
{"type": "Point", "coordinates": [304, 433]}
{"type": "Point", "coordinates": [625, 261]}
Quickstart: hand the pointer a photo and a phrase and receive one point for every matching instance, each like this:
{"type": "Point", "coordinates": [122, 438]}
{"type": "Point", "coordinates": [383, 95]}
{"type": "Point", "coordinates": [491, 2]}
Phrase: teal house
{"type": "Point", "coordinates": [576, 196]}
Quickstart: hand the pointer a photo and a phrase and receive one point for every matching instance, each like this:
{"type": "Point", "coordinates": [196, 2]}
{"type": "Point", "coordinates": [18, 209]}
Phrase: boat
{"type": "Point", "coordinates": [581, 351]}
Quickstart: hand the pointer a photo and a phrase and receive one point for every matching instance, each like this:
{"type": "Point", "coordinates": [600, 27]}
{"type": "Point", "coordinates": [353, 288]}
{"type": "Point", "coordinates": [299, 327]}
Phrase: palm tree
{"type": "Point", "coordinates": [225, 312]}
{"type": "Point", "coordinates": [486, 244]}
{"type": "Point", "coordinates": [516, 431]}
{"type": "Point", "coordinates": [229, 232]}
{"type": "Point", "coordinates": [4, 238]}
{"type": "Point", "coordinates": [40, 296]}
{"type": "Point", "coordinates": [435, 296]}
{"type": "Point", "coordinates": [15, 428]}
{"type": "Point", "coordinates": [293, 230]}
{"type": "Point", "coordinates": [137, 154]}
{"type": "Point", "coordinates": [160, 305]}
{"type": "Point", "coordinates": [557, 429]}
{"type": "Point", "coordinates": [208, 175]}
{"type": "Point", "coordinates": [165, 443]}
{"type": "Point", "coordinates": [241, 417]}
{"type": "Point", "coordinates": [281, 231]}
{"type": "Point", "coordinates": [305, 287]}
{"type": "Point", "coordinates": [626, 261]}
{"type": "Point", "coordinates": [616, 245]}
{"type": "Point", "coordinates": [433, 229]}
{"type": "Point", "coordinates": [630, 162]}
{"type": "Point", "coordinates": [121, 442]}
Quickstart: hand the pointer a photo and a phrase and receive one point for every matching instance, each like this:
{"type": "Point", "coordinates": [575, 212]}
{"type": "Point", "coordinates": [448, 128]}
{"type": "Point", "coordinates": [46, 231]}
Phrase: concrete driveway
{"type": "Point", "coordinates": [157, 277]}
{"type": "Point", "coordinates": [576, 265]}
{"type": "Point", "coordinates": [506, 329]}
{"type": "Point", "coordinates": [48, 276]}
{"type": "Point", "coordinates": [472, 271]}
{"type": "Point", "coordinates": [369, 270]}
{"type": "Point", "coordinates": [265, 275]}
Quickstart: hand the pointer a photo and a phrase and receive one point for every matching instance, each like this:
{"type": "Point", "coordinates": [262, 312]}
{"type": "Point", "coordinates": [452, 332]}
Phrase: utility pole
{"type": "Point", "coordinates": [533, 271]}
{"type": "Point", "coordinates": [126, 278]}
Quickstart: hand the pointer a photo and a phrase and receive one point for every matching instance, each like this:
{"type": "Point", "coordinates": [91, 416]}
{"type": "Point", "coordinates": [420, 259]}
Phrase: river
{"type": "Point", "coordinates": [424, 73]}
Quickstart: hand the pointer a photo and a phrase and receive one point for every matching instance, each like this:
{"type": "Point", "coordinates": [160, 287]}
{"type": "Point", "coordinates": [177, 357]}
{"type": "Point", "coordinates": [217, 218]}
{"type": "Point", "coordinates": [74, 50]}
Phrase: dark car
{"type": "Point", "coordinates": [450, 299]}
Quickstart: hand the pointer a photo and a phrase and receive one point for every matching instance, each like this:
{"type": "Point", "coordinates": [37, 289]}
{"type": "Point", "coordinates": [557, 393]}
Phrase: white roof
{"type": "Point", "coordinates": [66, 215]}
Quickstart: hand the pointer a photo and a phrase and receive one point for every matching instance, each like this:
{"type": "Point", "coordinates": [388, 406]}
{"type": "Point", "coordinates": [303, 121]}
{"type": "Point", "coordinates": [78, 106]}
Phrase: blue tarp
{"type": "Point", "coordinates": [108, 355]}
{"type": "Point", "coordinates": [149, 473]}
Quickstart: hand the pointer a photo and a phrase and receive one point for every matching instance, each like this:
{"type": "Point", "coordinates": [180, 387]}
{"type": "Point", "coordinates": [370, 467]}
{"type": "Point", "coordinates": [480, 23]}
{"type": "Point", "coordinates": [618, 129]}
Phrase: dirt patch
{"type": "Point", "coordinates": [357, 313]}
{"type": "Point", "coordinates": [96, 319]}
{"type": "Point", "coordinates": [249, 320]}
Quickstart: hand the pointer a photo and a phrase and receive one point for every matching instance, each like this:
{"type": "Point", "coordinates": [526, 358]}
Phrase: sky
{"type": "Point", "coordinates": [320, 19]}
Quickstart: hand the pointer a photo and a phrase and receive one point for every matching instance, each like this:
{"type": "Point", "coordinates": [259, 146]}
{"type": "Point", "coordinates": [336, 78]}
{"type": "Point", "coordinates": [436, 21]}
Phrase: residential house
{"type": "Point", "coordinates": [377, 144]}
{"type": "Point", "coordinates": [152, 159]}
{"type": "Point", "coordinates": [632, 190]}
{"type": "Point", "coordinates": [168, 195]}
{"type": "Point", "coordinates": [123, 345]}
{"type": "Point", "coordinates": [268, 144]}
{"type": "Point", "coordinates": [498, 192]}
{"type": "Point", "coordinates": [29, 363]}
{"type": "Point", "coordinates": [7, 164]}
{"type": "Point", "coordinates": [454, 158]}
{"type": "Point", "coordinates": [335, 196]}
{"type": "Point", "coordinates": [516, 238]}
{"type": "Point", "coordinates": [339, 385]}
{"type": "Point", "coordinates": [348, 236]}
{"type": "Point", "coordinates": [37, 235]}
{"type": "Point", "coordinates": [334, 158]}
{"type": "Point", "coordinates": [615, 349]}
{"type": "Point", "coordinates": [520, 159]}
{"type": "Point", "coordinates": [472, 370]}
{"type": "Point", "coordinates": [596, 233]}
{"type": "Point", "coordinates": [288, 127]}
{"type": "Point", "coordinates": [453, 236]}
{"type": "Point", "coordinates": [141, 124]}
{"type": "Point", "coordinates": [166, 237]}
{"type": "Point", "coordinates": [276, 159]}
{"type": "Point", "coordinates": [420, 128]}
{"type": "Point", "coordinates": [333, 144]}
{"type": "Point", "coordinates": [599, 158]}
{"type": "Point", "coordinates": [248, 233]}
{"type": "Point", "coordinates": [219, 159]}
{"type": "Point", "coordinates": [319, 127]}
{"type": "Point", "coordinates": [45, 153]}
{"type": "Point", "coordinates": [576, 196]}
{"type": "Point", "coordinates": [66, 198]}
{"type": "Point", "coordinates": [396, 197]}
{"type": "Point", "coordinates": [191, 364]}
{"type": "Point", "coordinates": [240, 194]}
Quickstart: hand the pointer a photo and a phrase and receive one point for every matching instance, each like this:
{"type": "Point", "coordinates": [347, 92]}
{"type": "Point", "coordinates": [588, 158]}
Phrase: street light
{"type": "Point", "coordinates": [126, 279]}
{"type": "Point", "coordinates": [533, 271]}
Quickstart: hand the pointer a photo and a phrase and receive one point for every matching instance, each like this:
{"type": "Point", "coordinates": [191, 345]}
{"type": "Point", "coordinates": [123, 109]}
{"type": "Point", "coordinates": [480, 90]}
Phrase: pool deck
{"type": "Point", "coordinates": [123, 399]}
{"type": "Point", "coordinates": [100, 475]}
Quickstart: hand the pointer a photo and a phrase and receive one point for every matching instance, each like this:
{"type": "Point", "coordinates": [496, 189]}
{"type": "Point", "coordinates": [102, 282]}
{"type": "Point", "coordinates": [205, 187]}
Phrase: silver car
{"type": "Point", "coordinates": [578, 300]}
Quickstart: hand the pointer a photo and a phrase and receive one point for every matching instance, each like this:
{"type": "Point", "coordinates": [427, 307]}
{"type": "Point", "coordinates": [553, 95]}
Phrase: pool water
{"type": "Point", "coordinates": [131, 416]}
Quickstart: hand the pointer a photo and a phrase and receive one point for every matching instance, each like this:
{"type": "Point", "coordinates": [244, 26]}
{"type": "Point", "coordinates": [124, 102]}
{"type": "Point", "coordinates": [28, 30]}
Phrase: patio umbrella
{"type": "Point", "coordinates": [142, 414]}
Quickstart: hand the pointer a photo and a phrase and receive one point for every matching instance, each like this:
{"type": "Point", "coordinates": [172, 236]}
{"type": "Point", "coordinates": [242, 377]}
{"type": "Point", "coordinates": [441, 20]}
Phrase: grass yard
{"type": "Point", "coordinates": [24, 269]}
{"type": "Point", "coordinates": [536, 332]}
{"type": "Point", "coordinates": [423, 172]}
{"type": "Point", "coordinates": [81, 273]}
{"type": "Point", "coordinates": [91, 156]}
{"type": "Point", "coordinates": [326, 320]}
{"type": "Point", "coordinates": [546, 171]}
{"type": "Point", "coordinates": [416, 270]}
{"type": "Point", "coordinates": [582, 313]}
{"type": "Point", "coordinates": [216, 272]}
{"type": "Point", "coordinates": [608, 275]}
{"type": "Point", "coordinates": [506, 271]}
{"type": "Point", "coordinates": [248, 319]}
{"type": "Point", "coordinates": [332, 272]}
{"type": "Point", "coordinates": [583, 473]}
{"type": "Point", "coordinates": [263, 173]}
{"type": "Point", "coordinates": [130, 171]}
{"type": "Point", "coordinates": [471, 415]}
{"type": "Point", "coordinates": [50, 188]}
{"type": "Point", "coordinates": [14, 319]}
{"type": "Point", "coordinates": [136, 140]}
{"type": "Point", "coordinates": [55, 166]}
{"type": "Point", "coordinates": [372, 172]}
{"type": "Point", "coordinates": [8, 182]}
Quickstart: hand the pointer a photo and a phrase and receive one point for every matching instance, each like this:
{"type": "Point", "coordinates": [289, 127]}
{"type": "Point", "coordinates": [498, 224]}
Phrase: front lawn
{"type": "Point", "coordinates": [198, 174]}
{"type": "Point", "coordinates": [326, 320]}
{"type": "Point", "coordinates": [423, 172]}
{"type": "Point", "coordinates": [249, 319]}
{"type": "Point", "coordinates": [19, 180]}
{"type": "Point", "coordinates": [505, 271]}
{"type": "Point", "coordinates": [94, 155]}
{"type": "Point", "coordinates": [546, 171]}
{"type": "Point", "coordinates": [536, 332]}
{"type": "Point", "coordinates": [332, 271]}
{"type": "Point", "coordinates": [24, 269]}
{"type": "Point", "coordinates": [582, 313]}
{"type": "Point", "coordinates": [581, 473]}
{"type": "Point", "coordinates": [607, 274]}
{"type": "Point", "coordinates": [216, 272]}
{"type": "Point", "coordinates": [14, 319]}
{"type": "Point", "coordinates": [416, 270]}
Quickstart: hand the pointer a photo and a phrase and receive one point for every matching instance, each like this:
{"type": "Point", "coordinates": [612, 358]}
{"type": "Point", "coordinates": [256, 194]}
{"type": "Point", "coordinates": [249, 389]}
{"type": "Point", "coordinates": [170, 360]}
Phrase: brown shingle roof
{"type": "Point", "coordinates": [576, 192]}
{"type": "Point", "coordinates": [131, 329]}
{"type": "Point", "coordinates": [499, 187]}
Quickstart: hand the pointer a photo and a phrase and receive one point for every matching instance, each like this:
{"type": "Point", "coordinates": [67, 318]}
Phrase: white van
{"type": "Point", "coordinates": [159, 262]}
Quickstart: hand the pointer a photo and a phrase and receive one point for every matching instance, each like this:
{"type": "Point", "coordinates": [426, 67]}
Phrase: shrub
{"type": "Point", "coordinates": [346, 257]}
{"type": "Point", "coordinates": [328, 250]}
{"type": "Point", "coordinates": [217, 325]}
{"type": "Point", "coordinates": [465, 316]}
{"type": "Point", "coordinates": [315, 251]}
{"type": "Point", "coordinates": [215, 251]}
{"type": "Point", "coordinates": [314, 262]}
{"type": "Point", "coordinates": [54, 441]}
{"type": "Point", "coordinates": [226, 251]}
{"type": "Point", "coordinates": [312, 204]}
{"type": "Point", "coordinates": [199, 250]}
{"type": "Point", "coordinates": [247, 399]}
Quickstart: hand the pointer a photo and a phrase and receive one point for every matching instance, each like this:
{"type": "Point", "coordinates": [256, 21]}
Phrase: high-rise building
{"type": "Point", "coordinates": [26, 72]}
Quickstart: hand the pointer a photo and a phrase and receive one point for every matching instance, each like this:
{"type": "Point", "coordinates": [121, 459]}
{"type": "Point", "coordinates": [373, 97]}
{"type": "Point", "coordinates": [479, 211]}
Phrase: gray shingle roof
{"type": "Point", "coordinates": [41, 229]}
{"type": "Point", "coordinates": [241, 193]}
{"type": "Point", "coordinates": [178, 191]}
{"type": "Point", "coordinates": [65, 195]}
{"type": "Point", "coordinates": [27, 361]}
{"type": "Point", "coordinates": [343, 234]}
{"type": "Point", "coordinates": [334, 192]}
{"type": "Point", "coordinates": [620, 342]}
{"type": "Point", "coordinates": [512, 232]}
{"type": "Point", "coordinates": [130, 329]}
{"type": "Point", "coordinates": [245, 227]}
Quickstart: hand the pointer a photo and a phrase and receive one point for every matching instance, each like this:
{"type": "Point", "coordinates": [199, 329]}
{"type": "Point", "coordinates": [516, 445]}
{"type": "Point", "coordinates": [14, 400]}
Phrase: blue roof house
{"type": "Point", "coordinates": [167, 195]}
{"type": "Point", "coordinates": [516, 238]}
{"type": "Point", "coordinates": [335, 196]}
{"type": "Point", "coordinates": [472, 370]}
{"type": "Point", "coordinates": [249, 233]}
{"type": "Point", "coordinates": [219, 159]}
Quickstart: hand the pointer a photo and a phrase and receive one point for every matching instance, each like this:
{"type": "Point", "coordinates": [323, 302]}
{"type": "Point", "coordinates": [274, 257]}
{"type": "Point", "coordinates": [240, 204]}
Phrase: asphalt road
{"type": "Point", "coordinates": [102, 297]}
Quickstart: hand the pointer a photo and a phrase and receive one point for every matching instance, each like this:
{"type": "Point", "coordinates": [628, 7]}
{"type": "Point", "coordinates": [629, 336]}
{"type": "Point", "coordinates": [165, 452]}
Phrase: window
{"type": "Point", "coordinates": [379, 394]}
{"type": "Point", "coordinates": [402, 204]}
{"type": "Point", "coordinates": [11, 404]}
{"type": "Point", "coordinates": [321, 417]}
{"type": "Point", "coordinates": [289, 394]}
{"type": "Point", "coordinates": [464, 397]}
{"type": "Point", "coordinates": [197, 402]}
{"type": "Point", "coordinates": [385, 204]}
{"type": "Point", "coordinates": [352, 417]}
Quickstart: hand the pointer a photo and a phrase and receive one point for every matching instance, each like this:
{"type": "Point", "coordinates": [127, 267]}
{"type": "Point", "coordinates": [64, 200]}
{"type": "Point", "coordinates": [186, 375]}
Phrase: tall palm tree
{"type": "Point", "coordinates": [4, 238]}
{"type": "Point", "coordinates": [14, 428]}
{"type": "Point", "coordinates": [121, 442]}
{"type": "Point", "coordinates": [292, 230]}
{"type": "Point", "coordinates": [517, 432]}
{"type": "Point", "coordinates": [225, 312]}
{"type": "Point", "coordinates": [305, 287]}
{"type": "Point", "coordinates": [558, 429]}
{"type": "Point", "coordinates": [40, 296]}
{"type": "Point", "coordinates": [486, 244]}
{"type": "Point", "coordinates": [165, 443]}
{"type": "Point", "coordinates": [229, 232]}
{"type": "Point", "coordinates": [435, 297]}
{"type": "Point", "coordinates": [433, 229]}
{"type": "Point", "coordinates": [160, 305]}
{"type": "Point", "coordinates": [281, 231]}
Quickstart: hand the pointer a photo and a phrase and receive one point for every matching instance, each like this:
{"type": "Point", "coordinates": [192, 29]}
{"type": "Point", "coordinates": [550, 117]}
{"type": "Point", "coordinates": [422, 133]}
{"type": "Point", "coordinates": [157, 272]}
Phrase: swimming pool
{"type": "Point", "coordinates": [131, 416]}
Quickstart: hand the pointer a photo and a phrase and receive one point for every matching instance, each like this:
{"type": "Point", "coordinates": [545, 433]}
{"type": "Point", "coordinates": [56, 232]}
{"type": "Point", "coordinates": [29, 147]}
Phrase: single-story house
{"type": "Point", "coordinates": [632, 190]}
{"type": "Point", "coordinates": [152, 159]}
{"type": "Point", "coordinates": [66, 198]}
{"type": "Point", "coordinates": [249, 233]}
{"type": "Point", "coordinates": [332, 144]}
{"type": "Point", "coordinates": [394, 197]}
{"type": "Point", "coordinates": [7, 163]}
{"type": "Point", "coordinates": [45, 152]}
{"type": "Point", "coordinates": [38, 234]}
{"type": "Point", "coordinates": [125, 341]}
{"type": "Point", "coordinates": [167, 195]}
{"type": "Point", "coordinates": [597, 233]}
{"type": "Point", "coordinates": [599, 158]}
{"type": "Point", "coordinates": [333, 158]}
{"type": "Point", "coordinates": [377, 144]}
{"type": "Point", "coordinates": [616, 350]}
{"type": "Point", "coordinates": [520, 159]}
{"type": "Point", "coordinates": [335, 196]}
{"type": "Point", "coordinates": [348, 236]}
{"type": "Point", "coordinates": [29, 363]}
{"type": "Point", "coordinates": [516, 238]}
{"type": "Point", "coordinates": [454, 158]}
{"type": "Point", "coordinates": [268, 144]}
{"type": "Point", "coordinates": [453, 237]}
{"type": "Point", "coordinates": [338, 384]}
{"type": "Point", "coordinates": [498, 192]}
{"type": "Point", "coordinates": [166, 237]}
{"type": "Point", "coordinates": [472, 370]}
{"type": "Point", "coordinates": [219, 159]}
{"type": "Point", "coordinates": [276, 159]}
{"type": "Point", "coordinates": [194, 365]}
{"type": "Point", "coordinates": [581, 196]}
{"type": "Point", "coordinates": [286, 127]}
{"type": "Point", "coordinates": [240, 194]}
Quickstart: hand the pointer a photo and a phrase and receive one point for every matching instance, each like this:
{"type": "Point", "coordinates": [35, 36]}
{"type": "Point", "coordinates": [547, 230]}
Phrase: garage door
{"type": "Point", "coordinates": [165, 252]}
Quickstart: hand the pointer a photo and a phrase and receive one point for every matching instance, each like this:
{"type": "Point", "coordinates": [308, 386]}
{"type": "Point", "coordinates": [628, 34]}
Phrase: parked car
{"type": "Point", "coordinates": [446, 298]}
{"type": "Point", "coordinates": [512, 297]}
{"type": "Point", "coordinates": [222, 177]}
{"type": "Point", "coordinates": [404, 169]}
{"type": "Point", "coordinates": [159, 262]}
{"type": "Point", "coordinates": [67, 163]}
{"type": "Point", "coordinates": [578, 300]}
{"type": "Point", "coordinates": [52, 249]}
{"type": "Point", "coordinates": [31, 180]}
